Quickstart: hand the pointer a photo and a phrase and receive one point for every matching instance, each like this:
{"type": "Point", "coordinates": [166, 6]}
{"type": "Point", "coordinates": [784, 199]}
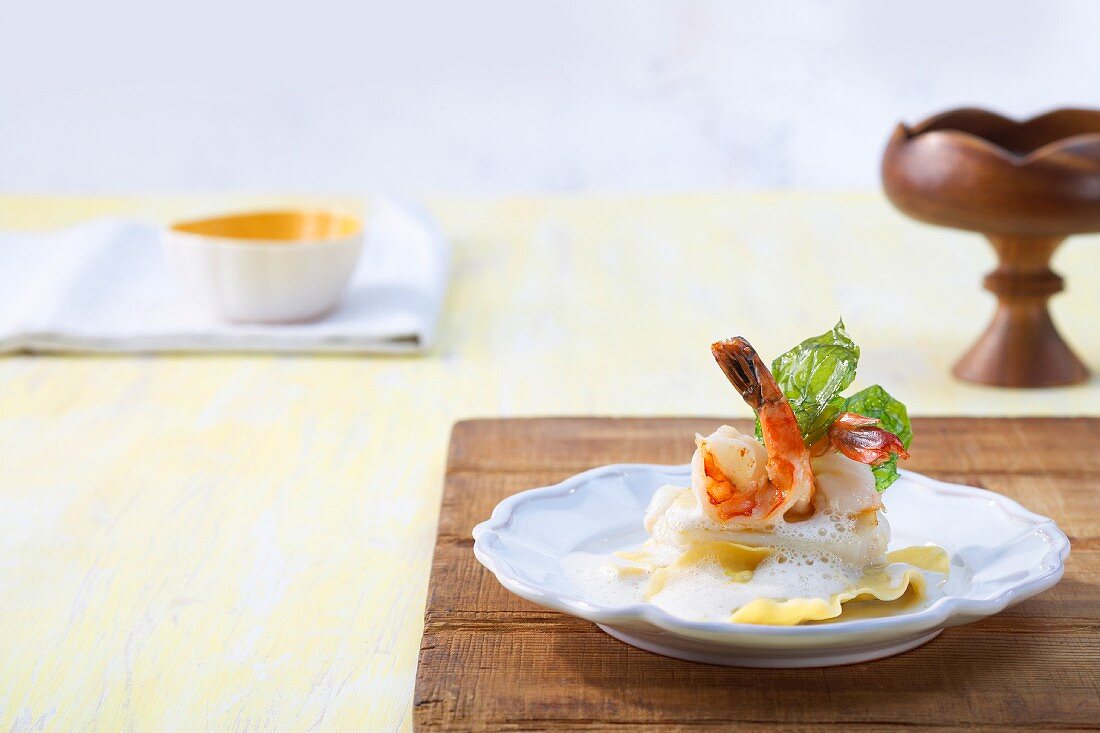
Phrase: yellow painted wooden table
{"type": "Point", "coordinates": [243, 542]}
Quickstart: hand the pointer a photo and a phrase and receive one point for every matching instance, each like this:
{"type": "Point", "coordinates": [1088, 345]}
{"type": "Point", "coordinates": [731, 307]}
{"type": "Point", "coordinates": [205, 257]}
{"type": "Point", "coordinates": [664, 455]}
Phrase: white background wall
{"type": "Point", "coordinates": [508, 95]}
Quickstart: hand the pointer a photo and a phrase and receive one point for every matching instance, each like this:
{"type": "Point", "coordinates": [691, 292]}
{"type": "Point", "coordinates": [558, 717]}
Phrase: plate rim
{"type": "Point", "coordinates": [938, 614]}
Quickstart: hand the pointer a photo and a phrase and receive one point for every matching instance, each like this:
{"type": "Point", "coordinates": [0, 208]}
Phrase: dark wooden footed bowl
{"type": "Point", "coordinates": [1026, 186]}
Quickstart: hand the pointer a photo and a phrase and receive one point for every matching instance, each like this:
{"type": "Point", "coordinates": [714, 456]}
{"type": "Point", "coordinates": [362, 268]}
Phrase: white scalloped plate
{"type": "Point", "coordinates": [1000, 554]}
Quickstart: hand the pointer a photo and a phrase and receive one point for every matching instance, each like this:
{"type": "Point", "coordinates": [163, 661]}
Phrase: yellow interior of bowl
{"type": "Point", "coordinates": [280, 226]}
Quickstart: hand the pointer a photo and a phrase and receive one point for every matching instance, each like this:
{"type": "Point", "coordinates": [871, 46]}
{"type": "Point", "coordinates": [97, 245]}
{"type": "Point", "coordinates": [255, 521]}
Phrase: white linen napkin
{"type": "Point", "coordinates": [106, 286]}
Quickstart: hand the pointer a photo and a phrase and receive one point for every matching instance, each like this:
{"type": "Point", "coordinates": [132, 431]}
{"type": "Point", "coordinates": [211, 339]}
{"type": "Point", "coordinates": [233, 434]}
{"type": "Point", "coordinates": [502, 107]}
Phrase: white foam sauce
{"type": "Point", "coordinates": [816, 558]}
{"type": "Point", "coordinates": [861, 541]}
{"type": "Point", "coordinates": [703, 591]}
{"type": "Point", "coordinates": [597, 577]}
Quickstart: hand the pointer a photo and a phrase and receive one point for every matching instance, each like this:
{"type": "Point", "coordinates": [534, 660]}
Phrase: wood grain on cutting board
{"type": "Point", "coordinates": [492, 661]}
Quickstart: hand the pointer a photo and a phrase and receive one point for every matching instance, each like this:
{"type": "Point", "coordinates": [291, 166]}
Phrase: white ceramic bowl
{"type": "Point", "coordinates": [1000, 554]}
{"type": "Point", "coordinates": [271, 267]}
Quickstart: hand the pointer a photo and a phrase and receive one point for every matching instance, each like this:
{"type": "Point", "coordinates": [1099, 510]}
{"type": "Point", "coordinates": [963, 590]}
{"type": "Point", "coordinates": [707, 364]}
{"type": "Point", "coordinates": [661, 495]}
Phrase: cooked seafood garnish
{"type": "Point", "coordinates": [784, 530]}
{"type": "Point", "coordinates": [789, 484]}
{"type": "Point", "coordinates": [858, 438]}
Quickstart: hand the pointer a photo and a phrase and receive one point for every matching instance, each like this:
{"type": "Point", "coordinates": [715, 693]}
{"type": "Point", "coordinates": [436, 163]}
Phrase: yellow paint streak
{"type": "Point", "coordinates": [233, 542]}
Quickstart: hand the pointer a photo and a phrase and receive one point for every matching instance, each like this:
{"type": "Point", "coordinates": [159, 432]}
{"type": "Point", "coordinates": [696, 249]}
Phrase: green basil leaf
{"type": "Point", "coordinates": [886, 473]}
{"type": "Point", "coordinates": [812, 375]}
{"type": "Point", "coordinates": [892, 416]}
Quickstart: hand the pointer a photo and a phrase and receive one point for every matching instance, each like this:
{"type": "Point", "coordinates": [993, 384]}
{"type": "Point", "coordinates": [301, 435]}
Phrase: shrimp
{"type": "Point", "coordinates": [789, 483]}
{"type": "Point", "coordinates": [728, 476]}
{"type": "Point", "coordinates": [859, 438]}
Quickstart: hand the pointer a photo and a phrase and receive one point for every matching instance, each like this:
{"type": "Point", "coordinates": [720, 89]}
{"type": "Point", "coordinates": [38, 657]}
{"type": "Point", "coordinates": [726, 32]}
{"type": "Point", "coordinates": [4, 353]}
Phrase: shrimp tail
{"type": "Point", "coordinates": [859, 438]}
{"type": "Point", "coordinates": [743, 367]}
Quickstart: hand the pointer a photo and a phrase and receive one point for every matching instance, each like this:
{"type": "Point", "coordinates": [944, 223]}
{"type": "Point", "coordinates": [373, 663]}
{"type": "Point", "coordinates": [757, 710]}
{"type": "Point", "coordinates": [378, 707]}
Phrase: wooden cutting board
{"type": "Point", "coordinates": [492, 661]}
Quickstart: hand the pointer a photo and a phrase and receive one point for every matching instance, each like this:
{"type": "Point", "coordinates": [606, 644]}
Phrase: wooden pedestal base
{"type": "Point", "coordinates": [1022, 347]}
